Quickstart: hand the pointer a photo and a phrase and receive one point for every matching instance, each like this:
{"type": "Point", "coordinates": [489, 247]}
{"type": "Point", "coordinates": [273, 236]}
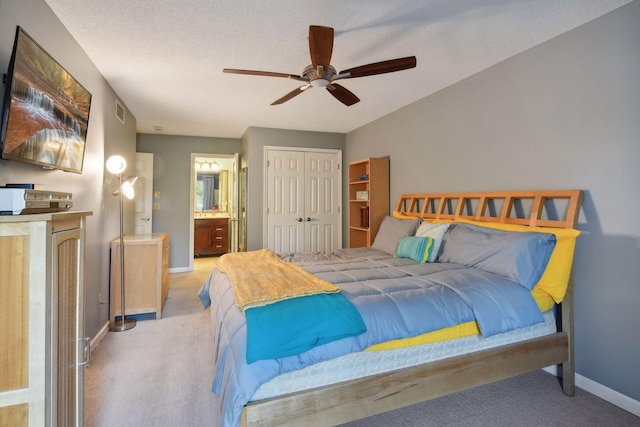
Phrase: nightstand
{"type": "Point", "coordinates": [146, 274]}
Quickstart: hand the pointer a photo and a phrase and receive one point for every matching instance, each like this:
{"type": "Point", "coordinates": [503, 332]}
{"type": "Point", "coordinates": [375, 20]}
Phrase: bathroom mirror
{"type": "Point", "coordinates": [211, 191]}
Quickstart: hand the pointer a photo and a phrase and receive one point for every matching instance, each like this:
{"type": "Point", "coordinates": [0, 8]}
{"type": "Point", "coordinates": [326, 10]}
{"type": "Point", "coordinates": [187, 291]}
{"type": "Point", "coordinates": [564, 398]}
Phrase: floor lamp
{"type": "Point", "coordinates": [116, 165]}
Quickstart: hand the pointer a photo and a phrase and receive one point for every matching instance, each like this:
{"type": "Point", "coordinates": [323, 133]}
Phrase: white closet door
{"type": "Point", "coordinates": [303, 197]}
{"type": "Point", "coordinates": [322, 202]}
{"type": "Point", "coordinates": [285, 201]}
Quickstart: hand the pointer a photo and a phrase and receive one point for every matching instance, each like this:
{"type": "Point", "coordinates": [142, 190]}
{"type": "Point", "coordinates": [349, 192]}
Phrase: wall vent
{"type": "Point", "coordinates": [120, 112]}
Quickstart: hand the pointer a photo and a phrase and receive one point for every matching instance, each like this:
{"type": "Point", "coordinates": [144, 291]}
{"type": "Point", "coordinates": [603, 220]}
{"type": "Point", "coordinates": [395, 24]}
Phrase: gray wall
{"type": "Point", "coordinates": [106, 136]}
{"type": "Point", "coordinates": [253, 142]}
{"type": "Point", "coordinates": [565, 114]}
{"type": "Point", "coordinates": [171, 176]}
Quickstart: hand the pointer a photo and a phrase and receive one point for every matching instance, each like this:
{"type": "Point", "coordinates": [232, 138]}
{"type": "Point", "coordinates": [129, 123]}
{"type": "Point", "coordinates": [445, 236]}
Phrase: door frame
{"type": "Point", "coordinates": [233, 215]}
{"type": "Point", "coordinates": [265, 187]}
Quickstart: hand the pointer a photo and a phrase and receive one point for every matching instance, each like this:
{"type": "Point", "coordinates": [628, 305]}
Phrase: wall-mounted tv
{"type": "Point", "coordinates": [45, 112]}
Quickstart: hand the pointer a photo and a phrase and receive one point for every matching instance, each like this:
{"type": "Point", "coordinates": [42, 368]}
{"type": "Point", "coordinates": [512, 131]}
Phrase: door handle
{"type": "Point", "coordinates": [299, 219]}
{"type": "Point", "coordinates": [87, 351]}
{"type": "Point", "coordinates": [145, 219]}
{"type": "Point", "coordinates": [308, 219]}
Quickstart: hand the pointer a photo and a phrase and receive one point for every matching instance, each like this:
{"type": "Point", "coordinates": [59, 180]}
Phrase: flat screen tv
{"type": "Point", "coordinates": [45, 112]}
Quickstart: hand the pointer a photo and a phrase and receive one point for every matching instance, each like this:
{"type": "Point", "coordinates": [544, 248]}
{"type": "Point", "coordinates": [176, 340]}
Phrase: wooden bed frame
{"type": "Point", "coordinates": [360, 398]}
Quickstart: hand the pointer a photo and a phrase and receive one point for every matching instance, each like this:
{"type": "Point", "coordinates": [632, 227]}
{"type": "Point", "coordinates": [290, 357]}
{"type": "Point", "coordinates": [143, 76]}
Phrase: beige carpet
{"type": "Point", "coordinates": [159, 374]}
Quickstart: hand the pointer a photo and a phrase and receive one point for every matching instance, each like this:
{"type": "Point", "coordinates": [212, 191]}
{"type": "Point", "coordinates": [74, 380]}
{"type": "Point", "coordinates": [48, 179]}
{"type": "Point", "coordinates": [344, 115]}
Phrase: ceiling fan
{"type": "Point", "coordinates": [320, 73]}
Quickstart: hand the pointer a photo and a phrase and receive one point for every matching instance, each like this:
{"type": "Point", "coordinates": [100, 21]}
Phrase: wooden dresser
{"type": "Point", "coordinates": [146, 274]}
{"type": "Point", "coordinates": [42, 344]}
{"type": "Point", "coordinates": [211, 236]}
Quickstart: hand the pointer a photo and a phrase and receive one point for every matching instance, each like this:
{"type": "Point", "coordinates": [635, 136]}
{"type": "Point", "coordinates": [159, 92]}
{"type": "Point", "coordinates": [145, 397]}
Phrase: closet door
{"type": "Point", "coordinates": [322, 202]}
{"type": "Point", "coordinates": [303, 199]}
{"type": "Point", "coordinates": [285, 201]}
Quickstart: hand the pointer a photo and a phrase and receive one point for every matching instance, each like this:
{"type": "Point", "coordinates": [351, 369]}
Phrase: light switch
{"type": "Point", "coordinates": [156, 194]}
{"type": "Point", "coordinates": [156, 206]}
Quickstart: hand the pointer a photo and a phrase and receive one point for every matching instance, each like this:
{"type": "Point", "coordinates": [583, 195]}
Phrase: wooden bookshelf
{"type": "Point", "coordinates": [368, 189]}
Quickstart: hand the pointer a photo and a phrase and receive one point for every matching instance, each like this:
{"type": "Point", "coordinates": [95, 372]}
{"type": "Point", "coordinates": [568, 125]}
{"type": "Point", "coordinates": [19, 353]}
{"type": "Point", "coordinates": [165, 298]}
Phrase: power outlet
{"type": "Point", "coordinates": [101, 299]}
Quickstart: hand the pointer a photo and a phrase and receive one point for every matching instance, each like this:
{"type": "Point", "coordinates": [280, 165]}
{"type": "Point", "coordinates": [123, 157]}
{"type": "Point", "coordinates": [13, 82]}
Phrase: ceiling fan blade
{"type": "Point", "coordinates": [259, 73]}
{"type": "Point", "coordinates": [320, 45]}
{"type": "Point", "coordinates": [382, 67]}
{"type": "Point", "coordinates": [343, 94]}
{"type": "Point", "coordinates": [290, 95]}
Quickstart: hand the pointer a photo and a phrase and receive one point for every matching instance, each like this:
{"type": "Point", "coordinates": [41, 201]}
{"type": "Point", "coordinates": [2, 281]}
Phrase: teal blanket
{"type": "Point", "coordinates": [296, 325]}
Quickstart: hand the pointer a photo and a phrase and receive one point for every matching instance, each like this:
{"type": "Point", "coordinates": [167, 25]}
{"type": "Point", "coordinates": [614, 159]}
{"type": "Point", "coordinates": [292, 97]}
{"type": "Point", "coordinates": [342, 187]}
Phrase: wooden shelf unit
{"type": "Point", "coordinates": [376, 184]}
{"type": "Point", "coordinates": [146, 274]}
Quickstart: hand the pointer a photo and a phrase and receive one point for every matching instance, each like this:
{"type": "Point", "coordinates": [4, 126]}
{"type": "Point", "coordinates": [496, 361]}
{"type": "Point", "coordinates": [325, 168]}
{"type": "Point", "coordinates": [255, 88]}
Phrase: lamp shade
{"type": "Point", "coordinates": [127, 190]}
{"type": "Point", "coordinates": [127, 187]}
{"type": "Point", "coordinates": [116, 164]}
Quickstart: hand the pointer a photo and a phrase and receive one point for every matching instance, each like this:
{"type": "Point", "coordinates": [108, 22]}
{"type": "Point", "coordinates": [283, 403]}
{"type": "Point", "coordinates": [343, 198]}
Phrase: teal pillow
{"type": "Point", "coordinates": [416, 248]}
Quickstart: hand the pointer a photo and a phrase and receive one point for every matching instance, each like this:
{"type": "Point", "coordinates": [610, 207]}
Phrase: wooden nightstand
{"type": "Point", "coordinates": [146, 274]}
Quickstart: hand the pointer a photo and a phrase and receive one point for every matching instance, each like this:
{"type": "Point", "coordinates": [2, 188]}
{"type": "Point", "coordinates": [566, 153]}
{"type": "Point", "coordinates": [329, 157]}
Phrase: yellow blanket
{"type": "Point", "coordinates": [260, 277]}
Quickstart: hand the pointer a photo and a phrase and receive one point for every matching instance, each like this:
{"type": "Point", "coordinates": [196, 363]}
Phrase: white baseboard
{"type": "Point", "coordinates": [101, 334]}
{"type": "Point", "coordinates": [603, 392]}
{"type": "Point", "coordinates": [179, 270]}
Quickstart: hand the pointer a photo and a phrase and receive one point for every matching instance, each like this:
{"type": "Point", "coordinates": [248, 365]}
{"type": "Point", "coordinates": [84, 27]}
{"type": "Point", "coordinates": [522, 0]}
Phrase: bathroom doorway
{"type": "Point", "coordinates": [213, 196]}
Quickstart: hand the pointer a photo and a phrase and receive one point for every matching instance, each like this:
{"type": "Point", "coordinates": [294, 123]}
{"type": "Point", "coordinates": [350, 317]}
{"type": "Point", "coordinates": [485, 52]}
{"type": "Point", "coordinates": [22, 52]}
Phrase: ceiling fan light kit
{"type": "Point", "coordinates": [320, 73]}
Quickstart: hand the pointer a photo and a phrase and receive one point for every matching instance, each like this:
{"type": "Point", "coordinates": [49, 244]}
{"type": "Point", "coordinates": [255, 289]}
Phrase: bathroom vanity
{"type": "Point", "coordinates": [211, 235]}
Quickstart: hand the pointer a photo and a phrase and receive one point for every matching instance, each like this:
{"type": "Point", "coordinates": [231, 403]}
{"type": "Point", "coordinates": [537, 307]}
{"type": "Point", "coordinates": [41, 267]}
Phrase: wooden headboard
{"type": "Point", "coordinates": [546, 208]}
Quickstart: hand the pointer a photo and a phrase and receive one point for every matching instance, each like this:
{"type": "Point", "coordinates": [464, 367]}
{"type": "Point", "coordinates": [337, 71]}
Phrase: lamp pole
{"type": "Point", "coordinates": [124, 324]}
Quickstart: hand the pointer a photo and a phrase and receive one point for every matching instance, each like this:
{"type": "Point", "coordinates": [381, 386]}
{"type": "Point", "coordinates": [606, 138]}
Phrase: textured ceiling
{"type": "Point", "coordinates": [164, 58]}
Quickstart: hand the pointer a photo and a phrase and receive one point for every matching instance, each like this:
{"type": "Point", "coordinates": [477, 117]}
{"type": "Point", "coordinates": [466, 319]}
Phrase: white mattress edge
{"type": "Point", "coordinates": [361, 364]}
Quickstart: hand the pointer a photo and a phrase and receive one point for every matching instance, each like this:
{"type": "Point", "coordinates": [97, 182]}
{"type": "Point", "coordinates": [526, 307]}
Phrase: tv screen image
{"type": "Point", "coordinates": [46, 110]}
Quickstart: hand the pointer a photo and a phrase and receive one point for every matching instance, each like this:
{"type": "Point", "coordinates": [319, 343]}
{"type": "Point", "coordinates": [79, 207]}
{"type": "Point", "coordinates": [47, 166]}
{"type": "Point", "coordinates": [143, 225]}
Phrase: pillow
{"type": "Point", "coordinates": [521, 257]}
{"type": "Point", "coordinates": [436, 232]}
{"type": "Point", "coordinates": [555, 278]}
{"type": "Point", "coordinates": [416, 248]}
{"type": "Point", "coordinates": [391, 231]}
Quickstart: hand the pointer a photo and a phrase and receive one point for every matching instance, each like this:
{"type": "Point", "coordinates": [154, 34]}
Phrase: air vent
{"type": "Point", "coordinates": [120, 112]}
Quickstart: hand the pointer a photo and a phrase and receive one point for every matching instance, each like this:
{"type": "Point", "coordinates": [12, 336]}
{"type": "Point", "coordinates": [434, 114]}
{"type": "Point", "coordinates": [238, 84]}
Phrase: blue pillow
{"type": "Point", "coordinates": [520, 256]}
{"type": "Point", "coordinates": [416, 248]}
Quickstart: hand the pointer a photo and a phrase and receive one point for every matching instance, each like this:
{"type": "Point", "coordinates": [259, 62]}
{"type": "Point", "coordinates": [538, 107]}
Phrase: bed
{"type": "Point", "coordinates": [526, 213]}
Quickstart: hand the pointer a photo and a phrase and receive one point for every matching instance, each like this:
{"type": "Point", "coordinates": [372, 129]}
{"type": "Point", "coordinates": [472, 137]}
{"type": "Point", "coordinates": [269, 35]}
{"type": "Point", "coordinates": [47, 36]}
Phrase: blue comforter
{"type": "Point", "coordinates": [396, 297]}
